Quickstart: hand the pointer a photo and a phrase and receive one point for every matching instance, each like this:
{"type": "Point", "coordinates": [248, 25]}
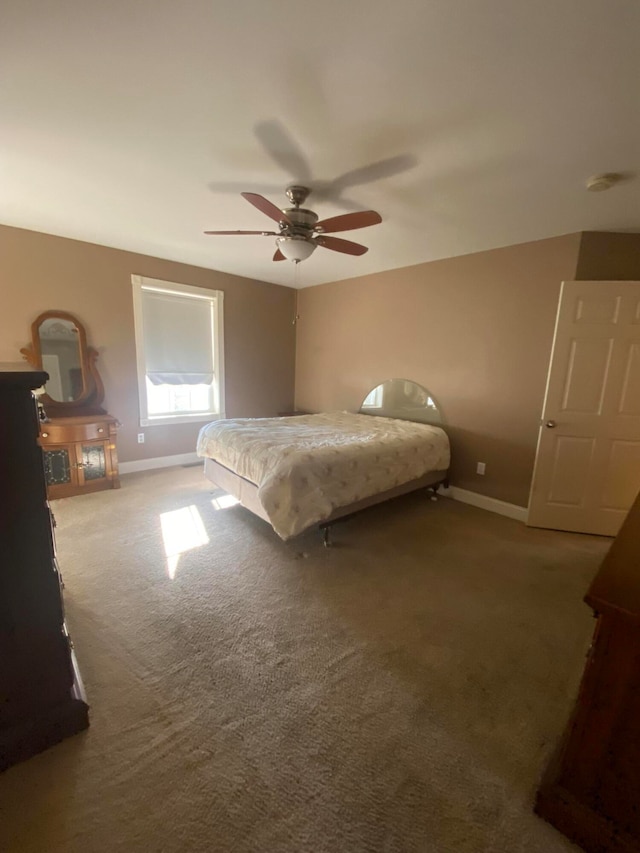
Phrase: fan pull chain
{"type": "Point", "coordinates": [295, 284]}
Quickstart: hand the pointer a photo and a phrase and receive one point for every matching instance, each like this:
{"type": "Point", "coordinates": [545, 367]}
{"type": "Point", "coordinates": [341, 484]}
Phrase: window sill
{"type": "Point", "coordinates": [168, 420]}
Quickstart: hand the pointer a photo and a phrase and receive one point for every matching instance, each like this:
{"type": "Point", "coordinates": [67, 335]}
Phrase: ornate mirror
{"type": "Point", "coordinates": [59, 347]}
{"type": "Point", "coordinates": [403, 399]}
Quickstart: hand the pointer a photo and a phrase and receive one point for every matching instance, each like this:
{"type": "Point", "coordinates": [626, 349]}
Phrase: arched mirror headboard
{"type": "Point", "coordinates": [403, 399]}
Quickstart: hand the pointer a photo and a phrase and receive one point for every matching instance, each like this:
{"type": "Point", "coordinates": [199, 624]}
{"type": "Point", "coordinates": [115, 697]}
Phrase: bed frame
{"type": "Point", "coordinates": [396, 398]}
{"type": "Point", "coordinates": [247, 493]}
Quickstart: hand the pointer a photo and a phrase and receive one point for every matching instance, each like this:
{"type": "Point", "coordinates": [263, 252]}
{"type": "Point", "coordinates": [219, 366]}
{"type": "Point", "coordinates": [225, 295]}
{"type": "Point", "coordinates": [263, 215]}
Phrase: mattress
{"type": "Point", "coordinates": [308, 466]}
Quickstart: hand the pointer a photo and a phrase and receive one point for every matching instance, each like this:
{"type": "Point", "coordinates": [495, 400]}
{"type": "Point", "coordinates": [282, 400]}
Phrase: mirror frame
{"type": "Point", "coordinates": [88, 403]}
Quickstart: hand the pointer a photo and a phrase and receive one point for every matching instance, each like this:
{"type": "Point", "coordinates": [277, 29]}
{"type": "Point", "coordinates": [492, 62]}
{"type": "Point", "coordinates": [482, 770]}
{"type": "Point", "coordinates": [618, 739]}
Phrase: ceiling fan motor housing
{"type": "Point", "coordinates": [303, 221]}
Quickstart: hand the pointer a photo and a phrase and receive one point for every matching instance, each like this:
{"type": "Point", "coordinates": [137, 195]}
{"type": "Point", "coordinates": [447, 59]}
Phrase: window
{"type": "Point", "coordinates": [179, 345]}
{"type": "Point", "coordinates": [373, 400]}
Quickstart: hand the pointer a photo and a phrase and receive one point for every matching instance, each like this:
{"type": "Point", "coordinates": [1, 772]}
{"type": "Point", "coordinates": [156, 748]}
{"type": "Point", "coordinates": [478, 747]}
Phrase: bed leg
{"type": "Point", "coordinates": [326, 536]}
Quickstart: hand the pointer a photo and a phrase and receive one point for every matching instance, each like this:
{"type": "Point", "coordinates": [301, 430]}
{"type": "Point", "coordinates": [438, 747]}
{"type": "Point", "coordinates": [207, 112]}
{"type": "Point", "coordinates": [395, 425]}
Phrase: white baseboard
{"type": "Point", "coordinates": [159, 462]}
{"type": "Point", "coordinates": [519, 513]}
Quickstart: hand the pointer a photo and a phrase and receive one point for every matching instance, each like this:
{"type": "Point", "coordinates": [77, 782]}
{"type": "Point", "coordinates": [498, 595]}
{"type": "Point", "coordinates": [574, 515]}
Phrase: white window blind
{"type": "Point", "coordinates": [179, 344]}
{"type": "Point", "coordinates": [178, 334]}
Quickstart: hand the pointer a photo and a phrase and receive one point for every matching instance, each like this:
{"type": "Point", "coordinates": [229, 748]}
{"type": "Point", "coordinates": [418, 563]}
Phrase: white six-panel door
{"type": "Point", "coordinates": [587, 470]}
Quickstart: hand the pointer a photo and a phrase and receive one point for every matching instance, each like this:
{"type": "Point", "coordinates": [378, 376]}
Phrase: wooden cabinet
{"type": "Point", "coordinates": [79, 438]}
{"type": "Point", "coordinates": [591, 792]}
{"type": "Point", "coordinates": [41, 697]}
{"type": "Point", "coordinates": [80, 454]}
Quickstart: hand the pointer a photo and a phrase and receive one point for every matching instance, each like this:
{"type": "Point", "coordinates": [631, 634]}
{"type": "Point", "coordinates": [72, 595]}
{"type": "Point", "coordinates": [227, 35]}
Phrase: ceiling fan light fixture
{"type": "Point", "coordinates": [296, 248]}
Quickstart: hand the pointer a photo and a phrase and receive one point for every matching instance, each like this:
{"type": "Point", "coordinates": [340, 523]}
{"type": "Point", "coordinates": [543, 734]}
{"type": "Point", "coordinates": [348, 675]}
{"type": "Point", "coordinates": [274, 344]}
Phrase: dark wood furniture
{"type": "Point", "coordinates": [78, 437]}
{"type": "Point", "coordinates": [591, 791]}
{"type": "Point", "coordinates": [79, 454]}
{"type": "Point", "coordinates": [41, 696]}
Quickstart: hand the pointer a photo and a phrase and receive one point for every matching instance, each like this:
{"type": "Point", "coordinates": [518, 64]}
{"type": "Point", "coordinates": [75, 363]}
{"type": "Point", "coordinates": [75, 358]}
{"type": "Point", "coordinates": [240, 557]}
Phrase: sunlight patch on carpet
{"type": "Point", "coordinates": [224, 502]}
{"type": "Point", "coordinates": [182, 530]}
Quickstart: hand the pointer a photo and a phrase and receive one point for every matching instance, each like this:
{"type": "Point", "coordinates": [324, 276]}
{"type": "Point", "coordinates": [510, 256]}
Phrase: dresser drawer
{"type": "Point", "coordinates": [52, 433]}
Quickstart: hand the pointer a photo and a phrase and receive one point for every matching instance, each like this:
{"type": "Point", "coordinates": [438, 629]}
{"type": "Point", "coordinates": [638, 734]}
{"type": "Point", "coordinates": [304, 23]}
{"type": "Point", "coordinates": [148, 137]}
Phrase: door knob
{"type": "Point", "coordinates": [550, 424]}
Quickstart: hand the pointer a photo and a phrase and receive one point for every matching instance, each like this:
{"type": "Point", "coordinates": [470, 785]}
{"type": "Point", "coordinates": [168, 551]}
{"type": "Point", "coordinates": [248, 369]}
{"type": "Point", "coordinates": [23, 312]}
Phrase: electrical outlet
{"type": "Point", "coordinates": [481, 468]}
{"type": "Point", "coordinates": [140, 438]}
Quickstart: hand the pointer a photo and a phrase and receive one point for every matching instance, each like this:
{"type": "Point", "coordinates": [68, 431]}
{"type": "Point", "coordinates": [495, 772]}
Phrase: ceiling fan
{"type": "Point", "coordinates": [301, 232]}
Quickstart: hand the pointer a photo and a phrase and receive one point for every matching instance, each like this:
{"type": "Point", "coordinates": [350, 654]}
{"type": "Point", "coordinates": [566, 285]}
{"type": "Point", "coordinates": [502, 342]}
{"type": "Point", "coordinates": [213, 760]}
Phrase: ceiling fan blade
{"type": "Point", "coordinates": [349, 221]}
{"type": "Point", "coordinates": [267, 207]}
{"type": "Point", "coordinates": [339, 245]}
{"type": "Point", "coordinates": [279, 256]}
{"type": "Point", "coordinates": [283, 149]}
{"type": "Point", "coordinates": [375, 171]}
{"type": "Point", "coordinates": [264, 233]}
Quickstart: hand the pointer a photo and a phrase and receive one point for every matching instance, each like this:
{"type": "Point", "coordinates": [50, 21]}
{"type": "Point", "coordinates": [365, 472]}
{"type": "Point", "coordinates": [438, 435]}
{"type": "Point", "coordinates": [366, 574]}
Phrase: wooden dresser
{"type": "Point", "coordinates": [41, 697]}
{"type": "Point", "coordinates": [79, 454]}
{"type": "Point", "coordinates": [591, 791]}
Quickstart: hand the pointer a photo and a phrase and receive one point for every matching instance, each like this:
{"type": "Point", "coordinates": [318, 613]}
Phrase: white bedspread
{"type": "Point", "coordinates": [306, 467]}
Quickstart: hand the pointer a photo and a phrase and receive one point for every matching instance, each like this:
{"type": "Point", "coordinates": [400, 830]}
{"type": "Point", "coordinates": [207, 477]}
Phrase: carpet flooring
{"type": "Point", "coordinates": [402, 691]}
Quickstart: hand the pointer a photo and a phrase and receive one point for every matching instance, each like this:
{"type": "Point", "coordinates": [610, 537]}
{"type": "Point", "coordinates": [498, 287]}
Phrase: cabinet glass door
{"type": "Point", "coordinates": [57, 466]}
{"type": "Point", "coordinates": [94, 463]}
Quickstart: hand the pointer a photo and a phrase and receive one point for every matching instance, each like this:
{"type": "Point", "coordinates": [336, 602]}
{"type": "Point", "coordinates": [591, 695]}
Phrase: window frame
{"type": "Point", "coordinates": [216, 298]}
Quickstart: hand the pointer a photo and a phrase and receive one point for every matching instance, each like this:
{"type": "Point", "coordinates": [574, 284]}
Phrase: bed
{"type": "Point", "coordinates": [296, 472]}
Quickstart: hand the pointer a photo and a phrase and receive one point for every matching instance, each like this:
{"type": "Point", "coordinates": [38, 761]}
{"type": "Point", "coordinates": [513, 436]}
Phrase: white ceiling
{"type": "Point", "coordinates": [129, 122]}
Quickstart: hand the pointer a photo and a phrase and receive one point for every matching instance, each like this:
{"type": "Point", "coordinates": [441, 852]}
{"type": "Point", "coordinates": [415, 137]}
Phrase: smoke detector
{"type": "Point", "coordinates": [598, 183]}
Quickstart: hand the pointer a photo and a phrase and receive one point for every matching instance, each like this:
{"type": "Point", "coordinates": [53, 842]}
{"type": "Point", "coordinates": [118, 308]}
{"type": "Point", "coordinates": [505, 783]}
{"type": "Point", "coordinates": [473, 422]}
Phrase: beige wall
{"type": "Point", "coordinates": [40, 272]}
{"type": "Point", "coordinates": [475, 330]}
